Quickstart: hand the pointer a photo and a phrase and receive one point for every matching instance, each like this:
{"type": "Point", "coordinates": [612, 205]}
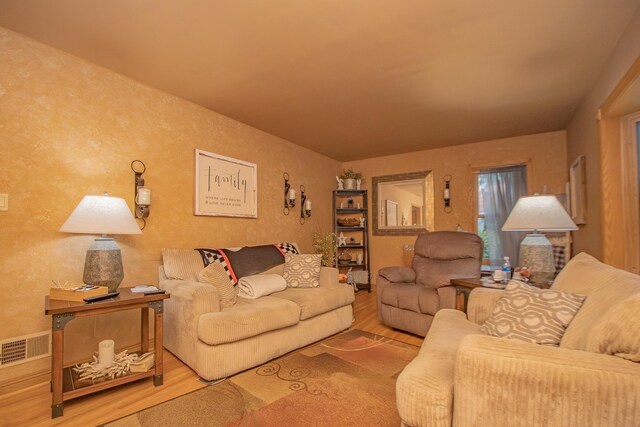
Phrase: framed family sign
{"type": "Point", "coordinates": [225, 186]}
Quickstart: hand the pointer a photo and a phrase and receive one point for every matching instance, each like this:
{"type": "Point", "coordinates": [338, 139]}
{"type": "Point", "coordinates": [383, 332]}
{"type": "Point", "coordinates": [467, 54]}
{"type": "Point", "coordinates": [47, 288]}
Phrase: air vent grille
{"type": "Point", "coordinates": [23, 349]}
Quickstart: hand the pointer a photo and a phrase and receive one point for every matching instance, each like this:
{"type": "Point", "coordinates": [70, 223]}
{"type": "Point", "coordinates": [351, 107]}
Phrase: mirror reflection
{"type": "Point", "coordinates": [403, 203]}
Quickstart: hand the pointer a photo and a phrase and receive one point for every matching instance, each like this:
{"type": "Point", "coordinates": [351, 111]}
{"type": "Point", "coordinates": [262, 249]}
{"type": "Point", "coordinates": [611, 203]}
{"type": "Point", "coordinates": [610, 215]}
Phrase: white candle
{"type": "Point", "coordinates": [144, 196]}
{"type": "Point", "coordinates": [292, 194]}
{"type": "Point", "coordinates": [106, 352]}
{"type": "Point", "coordinates": [307, 205]}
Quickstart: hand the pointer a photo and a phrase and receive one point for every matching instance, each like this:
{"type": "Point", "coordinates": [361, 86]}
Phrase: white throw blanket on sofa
{"type": "Point", "coordinates": [259, 285]}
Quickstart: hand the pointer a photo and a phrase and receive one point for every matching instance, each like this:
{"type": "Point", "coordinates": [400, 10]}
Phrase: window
{"type": "Point", "coordinates": [498, 190]}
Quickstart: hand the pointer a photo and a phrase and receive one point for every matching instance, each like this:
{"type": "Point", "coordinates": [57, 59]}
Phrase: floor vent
{"type": "Point", "coordinates": [25, 348]}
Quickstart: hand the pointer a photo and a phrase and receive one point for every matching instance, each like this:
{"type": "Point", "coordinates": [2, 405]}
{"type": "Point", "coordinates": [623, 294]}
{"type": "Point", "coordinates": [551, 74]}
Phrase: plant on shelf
{"type": "Point", "coordinates": [350, 177]}
{"type": "Point", "coordinates": [325, 244]}
{"type": "Point", "coordinates": [350, 174]}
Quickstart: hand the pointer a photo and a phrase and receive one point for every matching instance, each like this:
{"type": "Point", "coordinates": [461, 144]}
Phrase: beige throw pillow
{"type": "Point", "coordinates": [216, 275]}
{"type": "Point", "coordinates": [302, 271]}
{"type": "Point", "coordinates": [538, 316]}
{"type": "Point", "coordinates": [619, 332]}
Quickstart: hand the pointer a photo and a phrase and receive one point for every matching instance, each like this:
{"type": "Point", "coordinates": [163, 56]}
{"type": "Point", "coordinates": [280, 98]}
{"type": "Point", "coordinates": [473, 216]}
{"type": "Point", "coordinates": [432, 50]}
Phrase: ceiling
{"type": "Point", "coordinates": [350, 79]}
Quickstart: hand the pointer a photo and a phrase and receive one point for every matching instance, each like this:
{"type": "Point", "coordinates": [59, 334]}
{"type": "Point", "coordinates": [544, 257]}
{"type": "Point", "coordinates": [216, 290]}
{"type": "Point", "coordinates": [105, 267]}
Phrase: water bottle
{"type": "Point", "coordinates": [506, 270]}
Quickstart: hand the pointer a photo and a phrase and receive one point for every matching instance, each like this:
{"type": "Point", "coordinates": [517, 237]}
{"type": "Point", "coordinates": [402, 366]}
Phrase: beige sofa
{"type": "Point", "coordinates": [463, 378]}
{"type": "Point", "coordinates": [217, 342]}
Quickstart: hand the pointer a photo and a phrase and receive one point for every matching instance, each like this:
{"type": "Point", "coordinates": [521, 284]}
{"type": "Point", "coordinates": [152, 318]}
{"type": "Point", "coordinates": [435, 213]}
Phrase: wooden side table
{"type": "Point", "coordinates": [465, 286]}
{"type": "Point", "coordinates": [62, 379]}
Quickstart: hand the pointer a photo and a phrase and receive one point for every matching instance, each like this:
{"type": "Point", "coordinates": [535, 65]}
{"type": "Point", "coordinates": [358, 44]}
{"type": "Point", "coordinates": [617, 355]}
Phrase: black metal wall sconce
{"type": "Point", "coordinates": [305, 205]}
{"type": "Point", "coordinates": [447, 194]}
{"type": "Point", "coordinates": [142, 194]}
{"type": "Point", "coordinates": [289, 195]}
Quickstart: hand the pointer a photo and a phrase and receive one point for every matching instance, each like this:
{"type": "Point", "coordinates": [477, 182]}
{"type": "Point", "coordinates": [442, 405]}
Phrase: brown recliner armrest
{"type": "Point", "coordinates": [398, 274]}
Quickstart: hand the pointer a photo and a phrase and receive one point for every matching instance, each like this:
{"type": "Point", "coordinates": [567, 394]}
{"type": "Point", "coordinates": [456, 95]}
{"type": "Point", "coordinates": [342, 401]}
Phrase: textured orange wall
{"type": "Point", "coordinates": [598, 235]}
{"type": "Point", "coordinates": [546, 154]}
{"type": "Point", "coordinates": [69, 128]}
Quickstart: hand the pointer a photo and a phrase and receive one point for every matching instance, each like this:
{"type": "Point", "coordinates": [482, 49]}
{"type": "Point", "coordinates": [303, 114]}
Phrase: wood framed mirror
{"type": "Point", "coordinates": [403, 204]}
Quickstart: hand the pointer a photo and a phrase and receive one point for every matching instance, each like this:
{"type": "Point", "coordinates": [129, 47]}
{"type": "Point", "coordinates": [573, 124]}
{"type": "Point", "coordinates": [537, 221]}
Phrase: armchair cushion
{"type": "Point", "coordinates": [533, 315]}
{"type": "Point", "coordinates": [398, 274]}
{"type": "Point", "coordinates": [445, 255]}
{"type": "Point", "coordinates": [409, 296]}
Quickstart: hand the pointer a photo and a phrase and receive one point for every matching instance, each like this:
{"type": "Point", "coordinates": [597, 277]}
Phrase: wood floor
{"type": "Point", "coordinates": [32, 406]}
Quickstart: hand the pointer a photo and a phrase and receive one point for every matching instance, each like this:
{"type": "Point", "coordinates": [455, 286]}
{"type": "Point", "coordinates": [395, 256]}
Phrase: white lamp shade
{"type": "Point", "coordinates": [101, 215]}
{"type": "Point", "coordinates": [540, 213]}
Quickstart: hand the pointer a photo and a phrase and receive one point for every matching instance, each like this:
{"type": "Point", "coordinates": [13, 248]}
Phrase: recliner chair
{"type": "Point", "coordinates": [408, 298]}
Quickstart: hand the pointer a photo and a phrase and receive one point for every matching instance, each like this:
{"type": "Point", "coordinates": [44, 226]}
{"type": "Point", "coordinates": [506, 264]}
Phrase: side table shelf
{"type": "Point", "coordinates": [64, 384]}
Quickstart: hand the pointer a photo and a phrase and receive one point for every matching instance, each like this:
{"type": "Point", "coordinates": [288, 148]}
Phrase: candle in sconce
{"type": "Point", "coordinates": [307, 205]}
{"type": "Point", "coordinates": [292, 194]}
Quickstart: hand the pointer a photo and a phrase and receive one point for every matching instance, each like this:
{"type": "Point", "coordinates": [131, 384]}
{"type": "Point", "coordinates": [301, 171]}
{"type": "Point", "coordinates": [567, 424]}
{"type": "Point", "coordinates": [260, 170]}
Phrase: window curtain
{"type": "Point", "coordinates": [501, 188]}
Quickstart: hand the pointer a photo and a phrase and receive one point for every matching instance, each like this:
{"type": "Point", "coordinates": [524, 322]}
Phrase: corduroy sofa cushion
{"type": "Point", "coordinates": [247, 318]}
{"type": "Point", "coordinates": [604, 286]}
{"type": "Point", "coordinates": [619, 333]}
{"type": "Point", "coordinates": [315, 301]}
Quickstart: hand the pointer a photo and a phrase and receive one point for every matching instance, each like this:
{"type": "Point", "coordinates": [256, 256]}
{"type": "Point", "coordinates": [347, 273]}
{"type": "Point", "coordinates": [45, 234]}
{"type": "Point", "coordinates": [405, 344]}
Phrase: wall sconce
{"type": "Point", "coordinates": [447, 194]}
{"type": "Point", "coordinates": [305, 205]}
{"type": "Point", "coordinates": [289, 195]}
{"type": "Point", "coordinates": [142, 193]}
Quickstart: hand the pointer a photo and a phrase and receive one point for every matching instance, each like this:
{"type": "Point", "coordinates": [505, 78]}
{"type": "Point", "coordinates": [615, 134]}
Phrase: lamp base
{"type": "Point", "coordinates": [103, 264]}
{"type": "Point", "coordinates": [536, 253]}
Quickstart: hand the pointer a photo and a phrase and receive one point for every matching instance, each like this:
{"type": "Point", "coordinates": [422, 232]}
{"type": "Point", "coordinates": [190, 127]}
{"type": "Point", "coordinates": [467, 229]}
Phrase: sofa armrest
{"type": "Point", "coordinates": [537, 385]}
{"type": "Point", "coordinates": [329, 276]}
{"type": "Point", "coordinates": [398, 274]}
{"type": "Point", "coordinates": [189, 300]}
{"type": "Point", "coordinates": [481, 303]}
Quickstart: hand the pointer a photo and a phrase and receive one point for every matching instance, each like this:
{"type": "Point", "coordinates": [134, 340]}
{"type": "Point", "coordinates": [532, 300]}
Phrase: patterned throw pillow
{"type": "Point", "coordinates": [538, 316]}
{"type": "Point", "coordinates": [302, 271]}
{"type": "Point", "coordinates": [216, 275]}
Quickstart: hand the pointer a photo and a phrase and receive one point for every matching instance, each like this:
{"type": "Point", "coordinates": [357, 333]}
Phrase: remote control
{"type": "Point", "coordinates": [159, 291]}
{"type": "Point", "coordinates": [101, 297]}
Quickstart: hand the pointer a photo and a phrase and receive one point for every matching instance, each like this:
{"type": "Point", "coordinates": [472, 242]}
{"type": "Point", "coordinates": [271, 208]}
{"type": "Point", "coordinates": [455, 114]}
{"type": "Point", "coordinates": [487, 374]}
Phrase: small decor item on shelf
{"type": "Point", "coordinates": [348, 222]}
{"type": "Point", "coordinates": [75, 292]}
{"type": "Point", "coordinates": [350, 177]}
{"type": "Point", "coordinates": [325, 244]}
{"type": "Point", "coordinates": [94, 370]}
{"type": "Point", "coordinates": [340, 183]}
{"type": "Point", "coordinates": [342, 239]}
{"type": "Point", "coordinates": [358, 183]}
{"type": "Point", "coordinates": [143, 363]}
{"type": "Point", "coordinates": [362, 222]}
{"type": "Point", "coordinates": [359, 258]}
{"type": "Point", "coordinates": [350, 203]}
{"type": "Point", "coordinates": [345, 257]}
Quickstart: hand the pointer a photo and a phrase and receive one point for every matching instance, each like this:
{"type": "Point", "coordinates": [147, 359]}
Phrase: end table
{"type": "Point", "coordinates": [63, 385]}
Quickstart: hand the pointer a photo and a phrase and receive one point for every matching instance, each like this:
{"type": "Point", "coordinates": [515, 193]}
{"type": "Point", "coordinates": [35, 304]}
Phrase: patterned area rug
{"type": "Point", "coordinates": [346, 380]}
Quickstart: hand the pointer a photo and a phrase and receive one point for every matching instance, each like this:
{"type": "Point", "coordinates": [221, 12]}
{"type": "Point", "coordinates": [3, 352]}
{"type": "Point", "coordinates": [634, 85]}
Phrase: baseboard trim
{"type": "Point", "coordinates": [21, 383]}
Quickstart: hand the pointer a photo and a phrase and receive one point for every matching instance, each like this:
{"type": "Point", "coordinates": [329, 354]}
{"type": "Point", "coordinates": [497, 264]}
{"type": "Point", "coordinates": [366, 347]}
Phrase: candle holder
{"type": "Point", "coordinates": [305, 205]}
{"type": "Point", "coordinates": [289, 195]}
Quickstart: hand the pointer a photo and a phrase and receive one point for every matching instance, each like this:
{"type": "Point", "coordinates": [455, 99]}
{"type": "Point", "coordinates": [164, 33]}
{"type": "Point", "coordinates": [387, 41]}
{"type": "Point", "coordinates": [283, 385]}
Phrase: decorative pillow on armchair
{"type": "Point", "coordinates": [538, 316]}
{"type": "Point", "coordinates": [302, 271]}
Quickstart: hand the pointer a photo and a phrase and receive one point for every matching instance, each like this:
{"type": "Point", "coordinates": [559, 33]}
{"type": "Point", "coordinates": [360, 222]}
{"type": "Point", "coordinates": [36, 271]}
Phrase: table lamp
{"type": "Point", "coordinates": [538, 213]}
{"type": "Point", "coordinates": [102, 215]}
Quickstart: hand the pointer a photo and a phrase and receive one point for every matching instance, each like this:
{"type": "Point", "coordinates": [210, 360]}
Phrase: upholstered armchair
{"type": "Point", "coordinates": [408, 298]}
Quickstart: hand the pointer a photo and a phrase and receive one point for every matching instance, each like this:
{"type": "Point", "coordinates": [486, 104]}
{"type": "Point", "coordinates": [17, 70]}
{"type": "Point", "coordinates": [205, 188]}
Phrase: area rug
{"type": "Point", "coordinates": [346, 380]}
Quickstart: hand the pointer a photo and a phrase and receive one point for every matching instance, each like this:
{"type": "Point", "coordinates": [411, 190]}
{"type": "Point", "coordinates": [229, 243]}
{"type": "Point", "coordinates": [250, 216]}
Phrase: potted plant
{"type": "Point", "coordinates": [350, 177]}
